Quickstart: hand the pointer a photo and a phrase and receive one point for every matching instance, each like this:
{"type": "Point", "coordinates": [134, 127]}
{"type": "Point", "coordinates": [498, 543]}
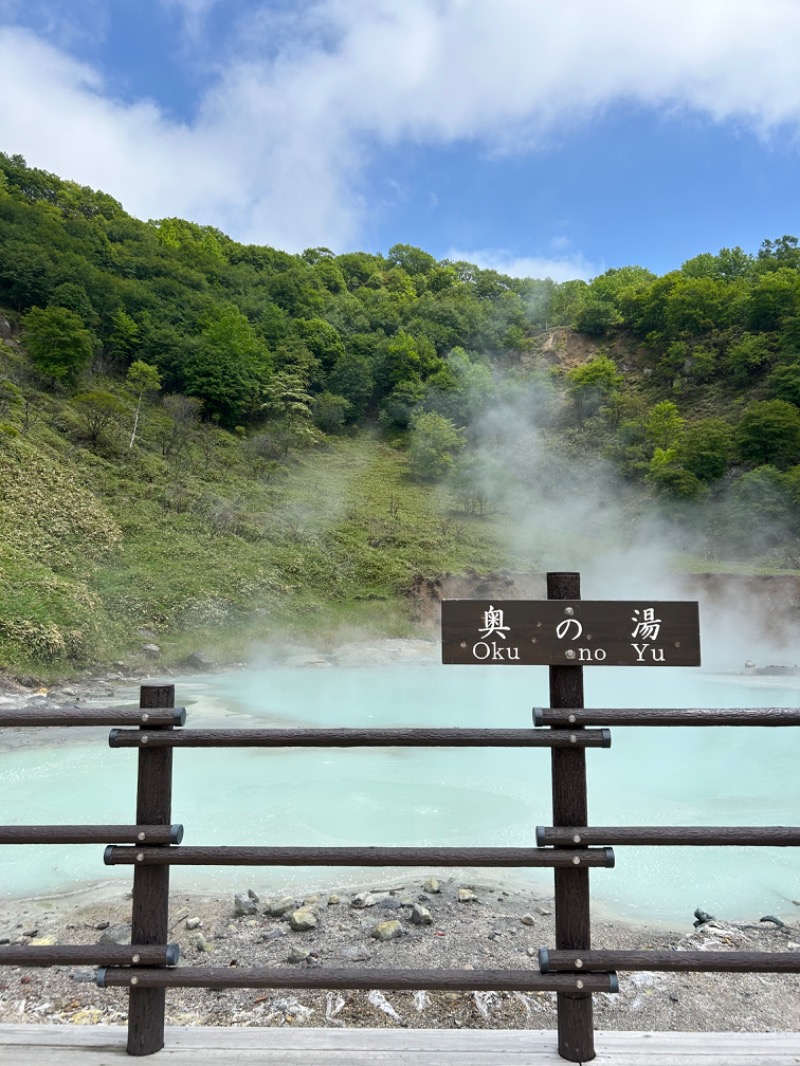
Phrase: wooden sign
{"type": "Point", "coordinates": [570, 633]}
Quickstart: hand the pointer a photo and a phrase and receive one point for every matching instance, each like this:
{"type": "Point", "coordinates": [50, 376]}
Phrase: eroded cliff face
{"type": "Point", "coordinates": [747, 622]}
{"type": "Point", "coordinates": [426, 594]}
{"type": "Point", "coordinates": [757, 615]}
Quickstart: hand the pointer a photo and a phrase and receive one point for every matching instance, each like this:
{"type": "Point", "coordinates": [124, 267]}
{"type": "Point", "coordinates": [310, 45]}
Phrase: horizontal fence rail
{"type": "Point", "coordinates": [677, 961]}
{"type": "Point", "coordinates": [775, 836]}
{"type": "Point", "coordinates": [91, 834]}
{"type": "Point", "coordinates": [366, 738]}
{"type": "Point", "coordinates": [90, 955]}
{"type": "Point", "coordinates": [87, 716]}
{"type": "Point", "coordinates": [572, 969]}
{"type": "Point", "coordinates": [411, 980]}
{"type": "Point", "coordinates": [666, 716]}
{"type": "Point", "coordinates": [250, 856]}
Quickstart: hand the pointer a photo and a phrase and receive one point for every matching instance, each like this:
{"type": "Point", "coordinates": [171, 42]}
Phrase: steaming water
{"type": "Point", "coordinates": [428, 797]}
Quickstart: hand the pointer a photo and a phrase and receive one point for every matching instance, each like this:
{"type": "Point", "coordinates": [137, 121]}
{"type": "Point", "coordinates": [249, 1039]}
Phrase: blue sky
{"type": "Point", "coordinates": [539, 138]}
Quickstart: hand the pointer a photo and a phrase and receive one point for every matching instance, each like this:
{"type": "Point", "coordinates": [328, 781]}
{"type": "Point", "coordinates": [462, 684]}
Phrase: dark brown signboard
{"type": "Point", "coordinates": [570, 633]}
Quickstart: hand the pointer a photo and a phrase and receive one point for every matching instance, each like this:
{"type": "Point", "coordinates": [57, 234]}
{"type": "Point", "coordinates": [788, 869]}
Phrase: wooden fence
{"type": "Point", "coordinates": [570, 847]}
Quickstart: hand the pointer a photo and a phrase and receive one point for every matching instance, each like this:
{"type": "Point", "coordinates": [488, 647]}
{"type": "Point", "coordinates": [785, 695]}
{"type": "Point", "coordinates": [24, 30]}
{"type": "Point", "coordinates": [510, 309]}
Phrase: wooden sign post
{"type": "Point", "coordinates": [571, 807]}
{"type": "Point", "coordinates": [150, 907]}
{"type": "Point", "coordinates": [566, 633]}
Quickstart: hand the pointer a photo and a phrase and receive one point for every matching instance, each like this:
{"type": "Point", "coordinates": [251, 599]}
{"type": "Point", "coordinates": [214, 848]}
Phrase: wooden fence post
{"type": "Point", "coordinates": [570, 808]}
{"type": "Point", "coordinates": [150, 908]}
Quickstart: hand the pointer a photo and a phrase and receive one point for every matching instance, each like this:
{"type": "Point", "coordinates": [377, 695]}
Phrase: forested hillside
{"type": "Point", "coordinates": [195, 432]}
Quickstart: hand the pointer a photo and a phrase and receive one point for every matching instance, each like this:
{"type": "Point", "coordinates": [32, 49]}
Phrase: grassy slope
{"type": "Point", "coordinates": [343, 526]}
{"type": "Point", "coordinates": [97, 545]}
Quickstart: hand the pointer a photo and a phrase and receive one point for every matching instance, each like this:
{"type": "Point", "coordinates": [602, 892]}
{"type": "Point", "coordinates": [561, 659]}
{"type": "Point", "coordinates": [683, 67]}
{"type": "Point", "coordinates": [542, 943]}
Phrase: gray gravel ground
{"type": "Point", "coordinates": [501, 928]}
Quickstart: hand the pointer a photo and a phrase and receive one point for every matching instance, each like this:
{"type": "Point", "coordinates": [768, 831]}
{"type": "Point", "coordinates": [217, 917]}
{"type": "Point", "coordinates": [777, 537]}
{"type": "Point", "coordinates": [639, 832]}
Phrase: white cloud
{"type": "Point", "coordinates": [303, 95]}
{"type": "Point", "coordinates": [58, 22]}
{"type": "Point", "coordinates": [561, 268]}
{"type": "Point", "coordinates": [193, 13]}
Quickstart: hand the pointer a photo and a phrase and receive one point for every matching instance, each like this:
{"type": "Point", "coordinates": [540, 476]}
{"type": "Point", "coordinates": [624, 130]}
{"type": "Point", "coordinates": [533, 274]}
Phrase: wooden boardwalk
{"type": "Point", "coordinates": [103, 1045]}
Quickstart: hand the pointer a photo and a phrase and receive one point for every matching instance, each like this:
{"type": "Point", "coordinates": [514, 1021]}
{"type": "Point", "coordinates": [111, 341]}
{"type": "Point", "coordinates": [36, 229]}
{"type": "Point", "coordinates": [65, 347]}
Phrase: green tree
{"type": "Point", "coordinates": [99, 410]}
{"type": "Point", "coordinates": [329, 276]}
{"type": "Point", "coordinates": [597, 317]}
{"type": "Point", "coordinates": [75, 298]}
{"type": "Point", "coordinates": [769, 433]}
{"type": "Point", "coordinates": [591, 384]}
{"type": "Point", "coordinates": [347, 316]}
{"type": "Point", "coordinates": [644, 307]}
{"type": "Point", "coordinates": [696, 305]}
{"type": "Point", "coordinates": [705, 448]}
{"type": "Point", "coordinates": [774, 297]}
{"type": "Point", "coordinates": [565, 302]}
{"type": "Point", "coordinates": [201, 247]}
{"type": "Point", "coordinates": [398, 282]}
{"type": "Point", "coordinates": [26, 273]}
{"type": "Point", "coordinates": [784, 383]}
{"type": "Point", "coordinates": [764, 492]}
{"type": "Point", "coordinates": [384, 311]}
{"type": "Point", "coordinates": [748, 357]}
{"type": "Point", "coordinates": [460, 390]}
{"type": "Point", "coordinates": [142, 379]}
{"type": "Point", "coordinates": [58, 343]}
{"type": "Point", "coordinates": [289, 407]}
{"type": "Point", "coordinates": [434, 443]}
{"type": "Point", "coordinates": [316, 255]}
{"type": "Point", "coordinates": [440, 278]}
{"type": "Point", "coordinates": [330, 412]}
{"type": "Point", "coordinates": [782, 252]}
{"type": "Point", "coordinates": [321, 339]}
{"type": "Point", "coordinates": [401, 361]}
{"type": "Point", "coordinates": [123, 337]}
{"type": "Point", "coordinates": [728, 264]}
{"type": "Point", "coordinates": [611, 284]}
{"type": "Point", "coordinates": [450, 320]}
{"type": "Point", "coordinates": [297, 291]}
{"type": "Point", "coordinates": [762, 509]}
{"type": "Point", "coordinates": [358, 267]}
{"type": "Point", "coordinates": [412, 260]}
{"type": "Point", "coordinates": [229, 368]}
{"type": "Point", "coordinates": [701, 364]}
{"type": "Point", "coordinates": [664, 424]}
{"type": "Point", "coordinates": [624, 408]}
{"type": "Point", "coordinates": [667, 476]}
{"type": "Point", "coordinates": [352, 377]}
{"type": "Point", "coordinates": [700, 266]}
{"type": "Point", "coordinates": [734, 263]}
{"type": "Point", "coordinates": [399, 406]}
{"type": "Point", "coordinates": [789, 337]}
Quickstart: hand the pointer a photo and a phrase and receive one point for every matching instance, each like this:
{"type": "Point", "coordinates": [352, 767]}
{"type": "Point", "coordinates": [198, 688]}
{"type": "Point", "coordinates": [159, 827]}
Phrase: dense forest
{"type": "Point", "coordinates": [190, 426]}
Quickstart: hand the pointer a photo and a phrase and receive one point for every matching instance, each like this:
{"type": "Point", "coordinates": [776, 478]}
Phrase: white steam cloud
{"type": "Point", "coordinates": [566, 509]}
